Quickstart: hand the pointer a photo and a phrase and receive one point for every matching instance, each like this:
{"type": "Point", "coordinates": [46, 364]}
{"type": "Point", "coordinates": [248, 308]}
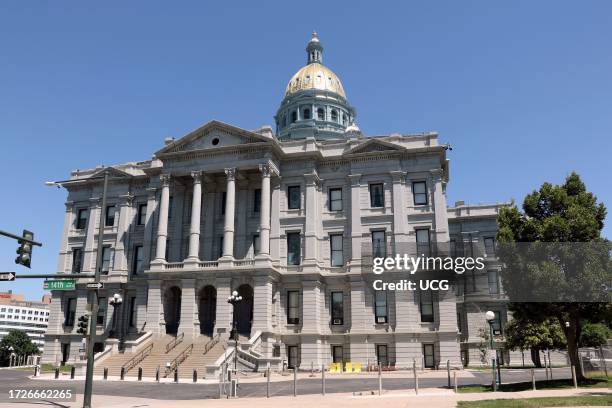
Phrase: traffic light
{"type": "Point", "coordinates": [83, 324]}
{"type": "Point", "coordinates": [25, 249]}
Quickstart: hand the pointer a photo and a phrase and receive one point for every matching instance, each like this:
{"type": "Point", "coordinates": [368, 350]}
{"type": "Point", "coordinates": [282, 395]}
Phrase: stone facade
{"type": "Point", "coordinates": [283, 221]}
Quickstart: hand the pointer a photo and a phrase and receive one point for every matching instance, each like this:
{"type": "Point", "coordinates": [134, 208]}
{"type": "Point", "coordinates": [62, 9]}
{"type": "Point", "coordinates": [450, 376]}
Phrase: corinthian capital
{"type": "Point", "coordinates": [265, 169]}
{"type": "Point", "coordinates": [165, 180]}
{"type": "Point", "coordinates": [197, 176]}
{"type": "Point", "coordinates": [231, 174]}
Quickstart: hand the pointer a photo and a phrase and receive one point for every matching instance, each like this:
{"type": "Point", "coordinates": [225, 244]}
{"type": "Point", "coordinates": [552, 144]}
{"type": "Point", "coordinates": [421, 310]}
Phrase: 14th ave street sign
{"type": "Point", "coordinates": [62, 284]}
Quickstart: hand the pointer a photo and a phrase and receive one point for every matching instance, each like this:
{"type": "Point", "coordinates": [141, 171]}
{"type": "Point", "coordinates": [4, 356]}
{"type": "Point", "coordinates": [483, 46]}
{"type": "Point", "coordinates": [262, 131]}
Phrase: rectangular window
{"type": "Point", "coordinates": [377, 195]}
{"type": "Point", "coordinates": [137, 261]}
{"type": "Point", "coordinates": [69, 312]}
{"type": "Point", "coordinates": [168, 246]}
{"type": "Point", "coordinates": [257, 201]}
{"type": "Point", "coordinates": [493, 282]}
{"type": "Point", "coordinates": [293, 307]}
{"type": "Point", "coordinates": [293, 196]}
{"type": "Point", "coordinates": [382, 355]}
{"type": "Point", "coordinates": [292, 356]}
{"type": "Point", "coordinates": [81, 218]}
{"type": "Point", "coordinates": [379, 247]}
{"type": "Point", "coordinates": [335, 199]}
{"type": "Point", "coordinates": [426, 305]}
{"type": "Point", "coordinates": [380, 305]}
{"type": "Point", "coordinates": [101, 311]}
{"type": "Point", "coordinates": [77, 260]}
{"type": "Point", "coordinates": [109, 220]}
{"type": "Point", "coordinates": [459, 321]}
{"type": "Point", "coordinates": [337, 257]}
{"type": "Point", "coordinates": [293, 248]}
{"type": "Point", "coordinates": [422, 241]}
{"type": "Point", "coordinates": [133, 311]}
{"type": "Point", "coordinates": [106, 259]}
{"type": "Point", "coordinates": [489, 246]}
{"type": "Point", "coordinates": [220, 249]}
{"type": "Point", "coordinates": [223, 200]}
{"type": "Point", "coordinates": [142, 214]}
{"type": "Point", "coordinates": [170, 207]}
{"type": "Point", "coordinates": [429, 355]}
{"type": "Point", "coordinates": [419, 193]}
{"type": "Point", "coordinates": [256, 244]}
{"type": "Point", "coordinates": [337, 354]}
{"type": "Point", "coordinates": [452, 247]}
{"type": "Point", "coordinates": [337, 308]}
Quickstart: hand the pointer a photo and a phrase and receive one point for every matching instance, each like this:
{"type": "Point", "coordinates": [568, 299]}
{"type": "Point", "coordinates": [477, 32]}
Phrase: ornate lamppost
{"type": "Point", "coordinates": [233, 299]}
{"type": "Point", "coordinates": [116, 301]}
{"type": "Point", "coordinates": [490, 316]}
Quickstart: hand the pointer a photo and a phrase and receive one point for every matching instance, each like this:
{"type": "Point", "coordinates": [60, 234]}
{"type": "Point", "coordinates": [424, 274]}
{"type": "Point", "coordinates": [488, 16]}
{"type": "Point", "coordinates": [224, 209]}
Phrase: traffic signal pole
{"type": "Point", "coordinates": [94, 304]}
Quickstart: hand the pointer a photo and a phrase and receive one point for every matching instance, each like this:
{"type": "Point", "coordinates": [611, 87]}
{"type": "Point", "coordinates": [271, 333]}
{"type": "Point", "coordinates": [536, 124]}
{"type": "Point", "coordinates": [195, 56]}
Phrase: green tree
{"type": "Point", "coordinates": [523, 334]}
{"type": "Point", "coordinates": [20, 343]}
{"type": "Point", "coordinates": [594, 335]}
{"type": "Point", "coordinates": [558, 214]}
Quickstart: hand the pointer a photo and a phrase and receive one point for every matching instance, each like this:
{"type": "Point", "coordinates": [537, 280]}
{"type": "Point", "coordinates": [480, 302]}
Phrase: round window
{"type": "Point", "coordinates": [215, 141]}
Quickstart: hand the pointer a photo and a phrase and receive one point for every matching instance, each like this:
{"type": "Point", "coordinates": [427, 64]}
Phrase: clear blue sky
{"type": "Point", "coordinates": [522, 90]}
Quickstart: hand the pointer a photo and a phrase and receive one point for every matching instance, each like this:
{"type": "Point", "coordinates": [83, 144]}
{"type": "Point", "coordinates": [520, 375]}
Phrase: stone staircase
{"type": "Point", "coordinates": [187, 355]}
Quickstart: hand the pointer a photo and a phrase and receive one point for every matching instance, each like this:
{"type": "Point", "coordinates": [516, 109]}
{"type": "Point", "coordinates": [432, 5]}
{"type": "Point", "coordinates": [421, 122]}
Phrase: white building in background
{"type": "Point", "coordinates": [30, 317]}
{"type": "Point", "coordinates": [282, 217]}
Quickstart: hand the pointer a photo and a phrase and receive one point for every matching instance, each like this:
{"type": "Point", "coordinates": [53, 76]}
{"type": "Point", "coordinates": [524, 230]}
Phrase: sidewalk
{"type": "Point", "coordinates": [430, 398]}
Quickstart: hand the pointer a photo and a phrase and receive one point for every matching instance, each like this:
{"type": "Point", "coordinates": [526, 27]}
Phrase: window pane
{"type": "Point", "coordinates": [376, 195]}
{"type": "Point", "coordinates": [489, 246]}
{"type": "Point", "coordinates": [337, 258]}
{"type": "Point", "coordinates": [335, 199]}
{"type": "Point", "coordinates": [422, 238]}
{"type": "Point", "coordinates": [379, 249]}
{"type": "Point", "coordinates": [337, 354]}
{"type": "Point", "coordinates": [493, 282]}
{"type": "Point", "coordinates": [426, 303]}
{"type": "Point", "coordinates": [142, 214]}
{"type": "Point", "coordinates": [110, 216]}
{"type": "Point", "coordinates": [81, 218]}
{"type": "Point", "coordinates": [106, 259]}
{"type": "Point", "coordinates": [257, 201]}
{"type": "Point", "coordinates": [293, 193]}
{"type": "Point", "coordinates": [337, 308]}
{"type": "Point", "coordinates": [381, 354]}
{"type": "Point", "coordinates": [381, 306]}
{"type": "Point", "coordinates": [77, 260]}
{"type": "Point", "coordinates": [101, 311]}
{"type": "Point", "coordinates": [419, 191]}
{"type": "Point", "coordinates": [293, 248]}
{"type": "Point", "coordinates": [428, 353]}
{"type": "Point", "coordinates": [293, 311]}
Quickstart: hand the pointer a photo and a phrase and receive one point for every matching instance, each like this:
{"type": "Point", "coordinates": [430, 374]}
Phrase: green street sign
{"type": "Point", "coordinates": [62, 284]}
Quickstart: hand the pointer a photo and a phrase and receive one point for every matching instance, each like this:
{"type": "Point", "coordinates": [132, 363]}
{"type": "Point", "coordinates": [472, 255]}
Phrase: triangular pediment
{"type": "Point", "coordinates": [213, 135]}
{"type": "Point", "coordinates": [374, 145]}
{"type": "Point", "coordinates": [112, 172]}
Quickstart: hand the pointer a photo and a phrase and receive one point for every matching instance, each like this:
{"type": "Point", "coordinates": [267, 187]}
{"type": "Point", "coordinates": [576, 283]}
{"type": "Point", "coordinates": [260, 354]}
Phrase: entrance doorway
{"type": "Point", "coordinates": [244, 310]}
{"type": "Point", "coordinates": [172, 309]}
{"type": "Point", "coordinates": [208, 310]}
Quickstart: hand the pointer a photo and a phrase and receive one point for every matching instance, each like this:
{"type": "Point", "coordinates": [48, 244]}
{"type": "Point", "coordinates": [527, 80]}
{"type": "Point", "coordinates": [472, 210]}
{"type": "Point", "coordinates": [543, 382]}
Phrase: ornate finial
{"type": "Point", "coordinates": [314, 49]}
{"type": "Point", "coordinates": [314, 36]}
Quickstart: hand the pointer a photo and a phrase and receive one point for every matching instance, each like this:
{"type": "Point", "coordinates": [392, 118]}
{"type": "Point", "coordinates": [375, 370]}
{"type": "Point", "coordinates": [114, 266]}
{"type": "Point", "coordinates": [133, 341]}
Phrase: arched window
{"type": "Point", "coordinates": [321, 114]}
{"type": "Point", "coordinates": [334, 115]}
{"type": "Point", "coordinates": [344, 119]}
{"type": "Point", "coordinates": [306, 113]}
{"type": "Point", "coordinates": [293, 116]}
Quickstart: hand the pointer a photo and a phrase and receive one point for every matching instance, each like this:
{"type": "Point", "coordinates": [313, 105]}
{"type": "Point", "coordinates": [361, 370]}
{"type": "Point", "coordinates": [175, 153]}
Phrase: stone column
{"type": "Point", "coordinates": [148, 228]}
{"type": "Point", "coordinates": [162, 226]}
{"type": "Point", "coordinates": [356, 238]}
{"type": "Point", "coordinates": [262, 304]}
{"type": "Point", "coordinates": [89, 256]}
{"type": "Point", "coordinates": [189, 309]}
{"type": "Point", "coordinates": [275, 220]}
{"type": "Point", "coordinates": [154, 308]}
{"type": "Point", "coordinates": [125, 216]}
{"type": "Point", "coordinates": [196, 209]}
{"type": "Point", "coordinates": [64, 253]}
{"type": "Point", "coordinates": [400, 234]}
{"type": "Point", "coordinates": [312, 216]}
{"type": "Point", "coordinates": [439, 206]}
{"type": "Point", "coordinates": [230, 208]}
{"type": "Point", "coordinates": [264, 222]}
{"type": "Point", "coordinates": [223, 321]}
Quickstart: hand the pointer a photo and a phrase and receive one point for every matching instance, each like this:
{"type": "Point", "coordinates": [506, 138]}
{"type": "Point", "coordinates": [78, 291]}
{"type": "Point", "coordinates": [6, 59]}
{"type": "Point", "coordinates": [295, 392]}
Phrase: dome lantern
{"type": "Point", "coordinates": [314, 49]}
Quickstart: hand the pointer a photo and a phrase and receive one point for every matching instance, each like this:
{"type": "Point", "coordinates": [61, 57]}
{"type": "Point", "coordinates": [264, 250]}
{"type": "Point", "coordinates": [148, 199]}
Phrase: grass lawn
{"type": "Point", "coordinates": [598, 400]}
{"type": "Point", "coordinates": [50, 368]}
{"type": "Point", "coordinates": [595, 382]}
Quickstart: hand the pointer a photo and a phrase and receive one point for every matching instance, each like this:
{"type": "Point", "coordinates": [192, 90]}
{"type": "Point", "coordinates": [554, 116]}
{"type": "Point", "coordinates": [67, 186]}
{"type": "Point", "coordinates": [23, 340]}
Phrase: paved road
{"type": "Point", "coordinates": [11, 379]}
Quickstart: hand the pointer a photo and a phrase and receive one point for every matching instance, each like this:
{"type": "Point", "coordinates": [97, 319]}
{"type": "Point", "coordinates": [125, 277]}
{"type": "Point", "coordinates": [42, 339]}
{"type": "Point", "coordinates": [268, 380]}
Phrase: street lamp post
{"type": "Point", "coordinates": [233, 299]}
{"type": "Point", "coordinates": [116, 301]}
{"type": "Point", "coordinates": [490, 316]}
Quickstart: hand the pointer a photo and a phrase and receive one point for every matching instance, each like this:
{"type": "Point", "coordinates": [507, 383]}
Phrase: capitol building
{"type": "Point", "coordinates": [285, 217]}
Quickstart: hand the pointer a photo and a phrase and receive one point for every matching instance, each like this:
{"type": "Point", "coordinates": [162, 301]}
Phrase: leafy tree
{"type": "Point", "coordinates": [524, 334]}
{"type": "Point", "coordinates": [483, 345]}
{"type": "Point", "coordinates": [558, 214]}
{"type": "Point", "coordinates": [594, 335]}
{"type": "Point", "coordinates": [20, 342]}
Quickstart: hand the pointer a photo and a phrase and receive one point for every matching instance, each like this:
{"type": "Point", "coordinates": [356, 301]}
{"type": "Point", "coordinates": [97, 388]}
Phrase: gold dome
{"type": "Point", "coordinates": [315, 76]}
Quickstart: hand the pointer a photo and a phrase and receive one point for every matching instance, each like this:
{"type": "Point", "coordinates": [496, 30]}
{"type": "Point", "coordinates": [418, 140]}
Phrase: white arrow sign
{"type": "Point", "coordinates": [8, 276]}
{"type": "Point", "coordinates": [95, 285]}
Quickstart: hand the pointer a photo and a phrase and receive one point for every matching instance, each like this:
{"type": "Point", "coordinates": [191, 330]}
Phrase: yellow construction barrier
{"type": "Point", "coordinates": [348, 367]}
{"type": "Point", "coordinates": [357, 368]}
